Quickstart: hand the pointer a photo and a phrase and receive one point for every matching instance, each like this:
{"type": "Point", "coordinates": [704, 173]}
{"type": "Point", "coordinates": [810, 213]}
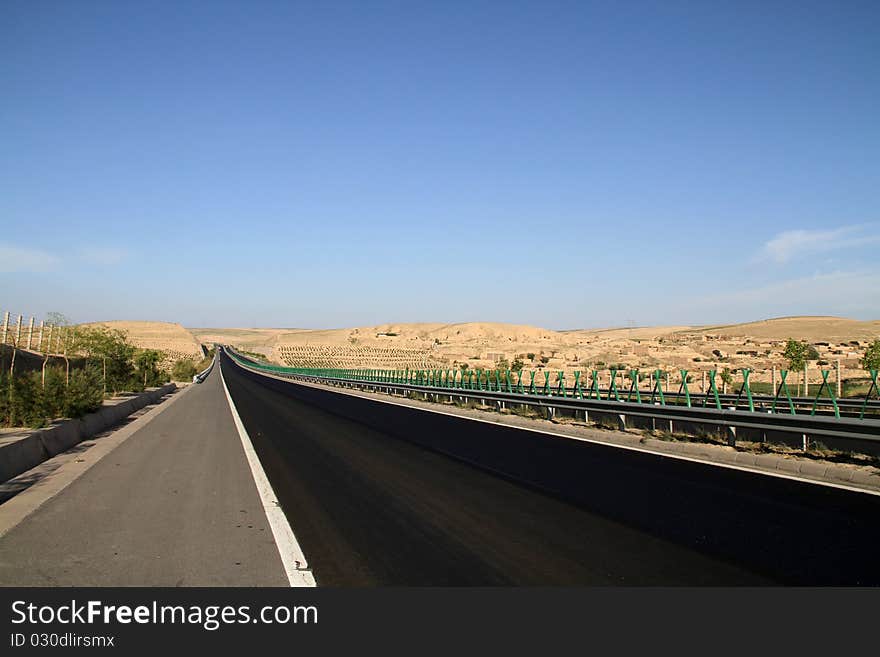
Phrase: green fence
{"type": "Point", "coordinates": [555, 385]}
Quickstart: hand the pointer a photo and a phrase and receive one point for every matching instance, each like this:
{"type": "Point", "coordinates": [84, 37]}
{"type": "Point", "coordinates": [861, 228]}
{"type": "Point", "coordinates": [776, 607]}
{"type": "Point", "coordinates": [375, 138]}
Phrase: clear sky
{"type": "Point", "coordinates": [563, 164]}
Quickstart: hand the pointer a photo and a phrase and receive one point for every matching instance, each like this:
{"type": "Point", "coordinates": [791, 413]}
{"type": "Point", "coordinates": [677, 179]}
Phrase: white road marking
{"type": "Point", "coordinates": [292, 557]}
{"type": "Point", "coordinates": [679, 457]}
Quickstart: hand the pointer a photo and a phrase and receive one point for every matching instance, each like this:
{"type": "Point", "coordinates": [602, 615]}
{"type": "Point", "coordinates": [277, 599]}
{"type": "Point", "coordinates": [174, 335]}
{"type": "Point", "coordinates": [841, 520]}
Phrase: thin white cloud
{"type": "Point", "coordinates": [798, 243]}
{"type": "Point", "coordinates": [102, 255]}
{"type": "Point", "coordinates": [19, 259]}
{"type": "Point", "coordinates": [848, 293]}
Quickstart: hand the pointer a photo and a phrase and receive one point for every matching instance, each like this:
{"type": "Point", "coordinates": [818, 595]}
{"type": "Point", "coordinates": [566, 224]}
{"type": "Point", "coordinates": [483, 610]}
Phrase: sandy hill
{"type": "Point", "coordinates": [801, 328]}
{"type": "Point", "coordinates": [757, 345]}
{"type": "Point", "coordinates": [172, 339]}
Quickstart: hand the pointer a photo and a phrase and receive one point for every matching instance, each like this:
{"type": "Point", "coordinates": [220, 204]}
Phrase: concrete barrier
{"type": "Point", "coordinates": [20, 453]}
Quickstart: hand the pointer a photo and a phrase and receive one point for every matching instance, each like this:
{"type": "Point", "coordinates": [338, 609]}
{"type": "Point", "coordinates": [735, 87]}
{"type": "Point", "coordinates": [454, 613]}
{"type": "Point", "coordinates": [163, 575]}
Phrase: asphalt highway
{"type": "Point", "coordinates": [372, 509]}
{"type": "Point", "coordinates": [383, 494]}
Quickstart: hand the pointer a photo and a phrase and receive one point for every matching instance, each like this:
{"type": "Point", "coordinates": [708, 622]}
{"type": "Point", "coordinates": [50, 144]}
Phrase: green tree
{"type": "Point", "coordinates": [796, 354]}
{"type": "Point", "coordinates": [871, 359]}
{"type": "Point", "coordinates": [109, 350]}
{"type": "Point", "coordinates": [517, 364]}
{"type": "Point", "coordinates": [147, 363]}
{"type": "Point", "coordinates": [726, 378]}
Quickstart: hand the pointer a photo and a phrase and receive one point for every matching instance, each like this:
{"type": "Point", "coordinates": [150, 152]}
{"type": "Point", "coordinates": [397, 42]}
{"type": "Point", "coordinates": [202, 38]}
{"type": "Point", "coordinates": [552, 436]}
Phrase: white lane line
{"type": "Point", "coordinates": [678, 457]}
{"type": "Point", "coordinates": [292, 557]}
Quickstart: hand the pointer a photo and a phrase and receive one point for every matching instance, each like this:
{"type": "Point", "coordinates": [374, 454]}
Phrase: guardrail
{"type": "Point", "coordinates": [201, 376]}
{"type": "Point", "coordinates": [846, 433]}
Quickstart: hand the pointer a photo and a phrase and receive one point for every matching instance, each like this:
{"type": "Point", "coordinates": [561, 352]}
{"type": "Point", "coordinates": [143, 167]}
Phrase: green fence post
{"type": "Point", "coordinates": [547, 383]}
{"type": "Point", "coordinates": [519, 384]}
{"type": "Point", "coordinates": [783, 386]}
{"type": "Point", "coordinates": [747, 389]}
{"type": "Point", "coordinates": [684, 386]}
{"type": "Point", "coordinates": [658, 388]}
{"type": "Point", "coordinates": [532, 390]}
{"type": "Point", "coordinates": [634, 386]}
{"type": "Point", "coordinates": [594, 386]}
{"type": "Point", "coordinates": [613, 388]}
{"type": "Point", "coordinates": [507, 380]}
{"type": "Point", "coordinates": [578, 391]}
{"type": "Point", "coordinates": [560, 386]}
{"type": "Point", "coordinates": [825, 384]}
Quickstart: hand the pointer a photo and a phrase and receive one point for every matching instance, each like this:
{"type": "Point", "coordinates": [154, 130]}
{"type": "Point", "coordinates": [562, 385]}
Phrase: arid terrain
{"type": "Point", "coordinates": [173, 340]}
{"type": "Point", "coordinates": [757, 345]}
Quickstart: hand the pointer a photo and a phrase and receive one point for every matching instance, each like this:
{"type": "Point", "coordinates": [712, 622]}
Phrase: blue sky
{"type": "Point", "coordinates": [564, 164]}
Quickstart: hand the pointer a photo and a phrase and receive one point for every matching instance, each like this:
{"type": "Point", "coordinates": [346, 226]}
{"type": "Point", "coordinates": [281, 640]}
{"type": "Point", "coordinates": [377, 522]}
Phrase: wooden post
{"type": "Point", "coordinates": [30, 332]}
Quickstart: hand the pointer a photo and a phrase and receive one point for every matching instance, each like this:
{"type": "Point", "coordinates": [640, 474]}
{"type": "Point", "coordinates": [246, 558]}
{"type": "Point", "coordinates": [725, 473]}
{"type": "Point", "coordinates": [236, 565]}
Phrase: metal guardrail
{"type": "Point", "coordinates": [201, 376]}
{"type": "Point", "coordinates": [754, 424]}
{"type": "Point", "coordinates": [502, 381]}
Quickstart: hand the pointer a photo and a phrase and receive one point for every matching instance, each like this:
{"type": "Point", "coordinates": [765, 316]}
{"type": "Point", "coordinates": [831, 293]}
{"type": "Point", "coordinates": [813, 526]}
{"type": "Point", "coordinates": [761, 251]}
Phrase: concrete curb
{"type": "Point", "coordinates": [20, 454]}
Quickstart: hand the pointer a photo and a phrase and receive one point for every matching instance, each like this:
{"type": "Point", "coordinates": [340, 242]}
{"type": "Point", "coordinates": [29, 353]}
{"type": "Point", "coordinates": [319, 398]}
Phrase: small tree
{"type": "Point", "coordinates": [796, 354]}
{"type": "Point", "coordinates": [517, 364]}
{"type": "Point", "coordinates": [871, 359]}
{"type": "Point", "coordinates": [726, 379]}
{"type": "Point", "coordinates": [147, 361]}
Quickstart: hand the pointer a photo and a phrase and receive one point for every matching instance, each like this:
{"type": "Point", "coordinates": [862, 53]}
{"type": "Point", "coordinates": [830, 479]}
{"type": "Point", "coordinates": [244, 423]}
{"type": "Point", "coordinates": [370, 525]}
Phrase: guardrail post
{"type": "Point", "coordinates": [825, 385]}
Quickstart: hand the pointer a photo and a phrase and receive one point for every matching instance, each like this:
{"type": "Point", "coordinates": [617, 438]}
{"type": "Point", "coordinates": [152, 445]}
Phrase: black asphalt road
{"type": "Point", "coordinates": [369, 508]}
{"type": "Point", "coordinates": [370, 504]}
{"type": "Point", "coordinates": [173, 505]}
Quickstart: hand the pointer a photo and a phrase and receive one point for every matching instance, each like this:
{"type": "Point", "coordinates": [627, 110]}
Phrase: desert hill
{"type": "Point", "coordinates": [757, 345]}
{"type": "Point", "coordinates": [172, 339]}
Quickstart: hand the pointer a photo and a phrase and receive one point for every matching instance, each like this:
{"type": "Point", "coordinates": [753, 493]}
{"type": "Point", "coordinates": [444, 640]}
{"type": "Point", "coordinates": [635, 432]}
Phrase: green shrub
{"type": "Point", "coordinates": [84, 393]}
{"type": "Point", "coordinates": [184, 370]}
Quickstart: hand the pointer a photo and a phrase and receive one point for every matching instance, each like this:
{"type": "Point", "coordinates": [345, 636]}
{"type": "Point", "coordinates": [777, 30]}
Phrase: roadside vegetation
{"type": "Point", "coordinates": [93, 363]}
